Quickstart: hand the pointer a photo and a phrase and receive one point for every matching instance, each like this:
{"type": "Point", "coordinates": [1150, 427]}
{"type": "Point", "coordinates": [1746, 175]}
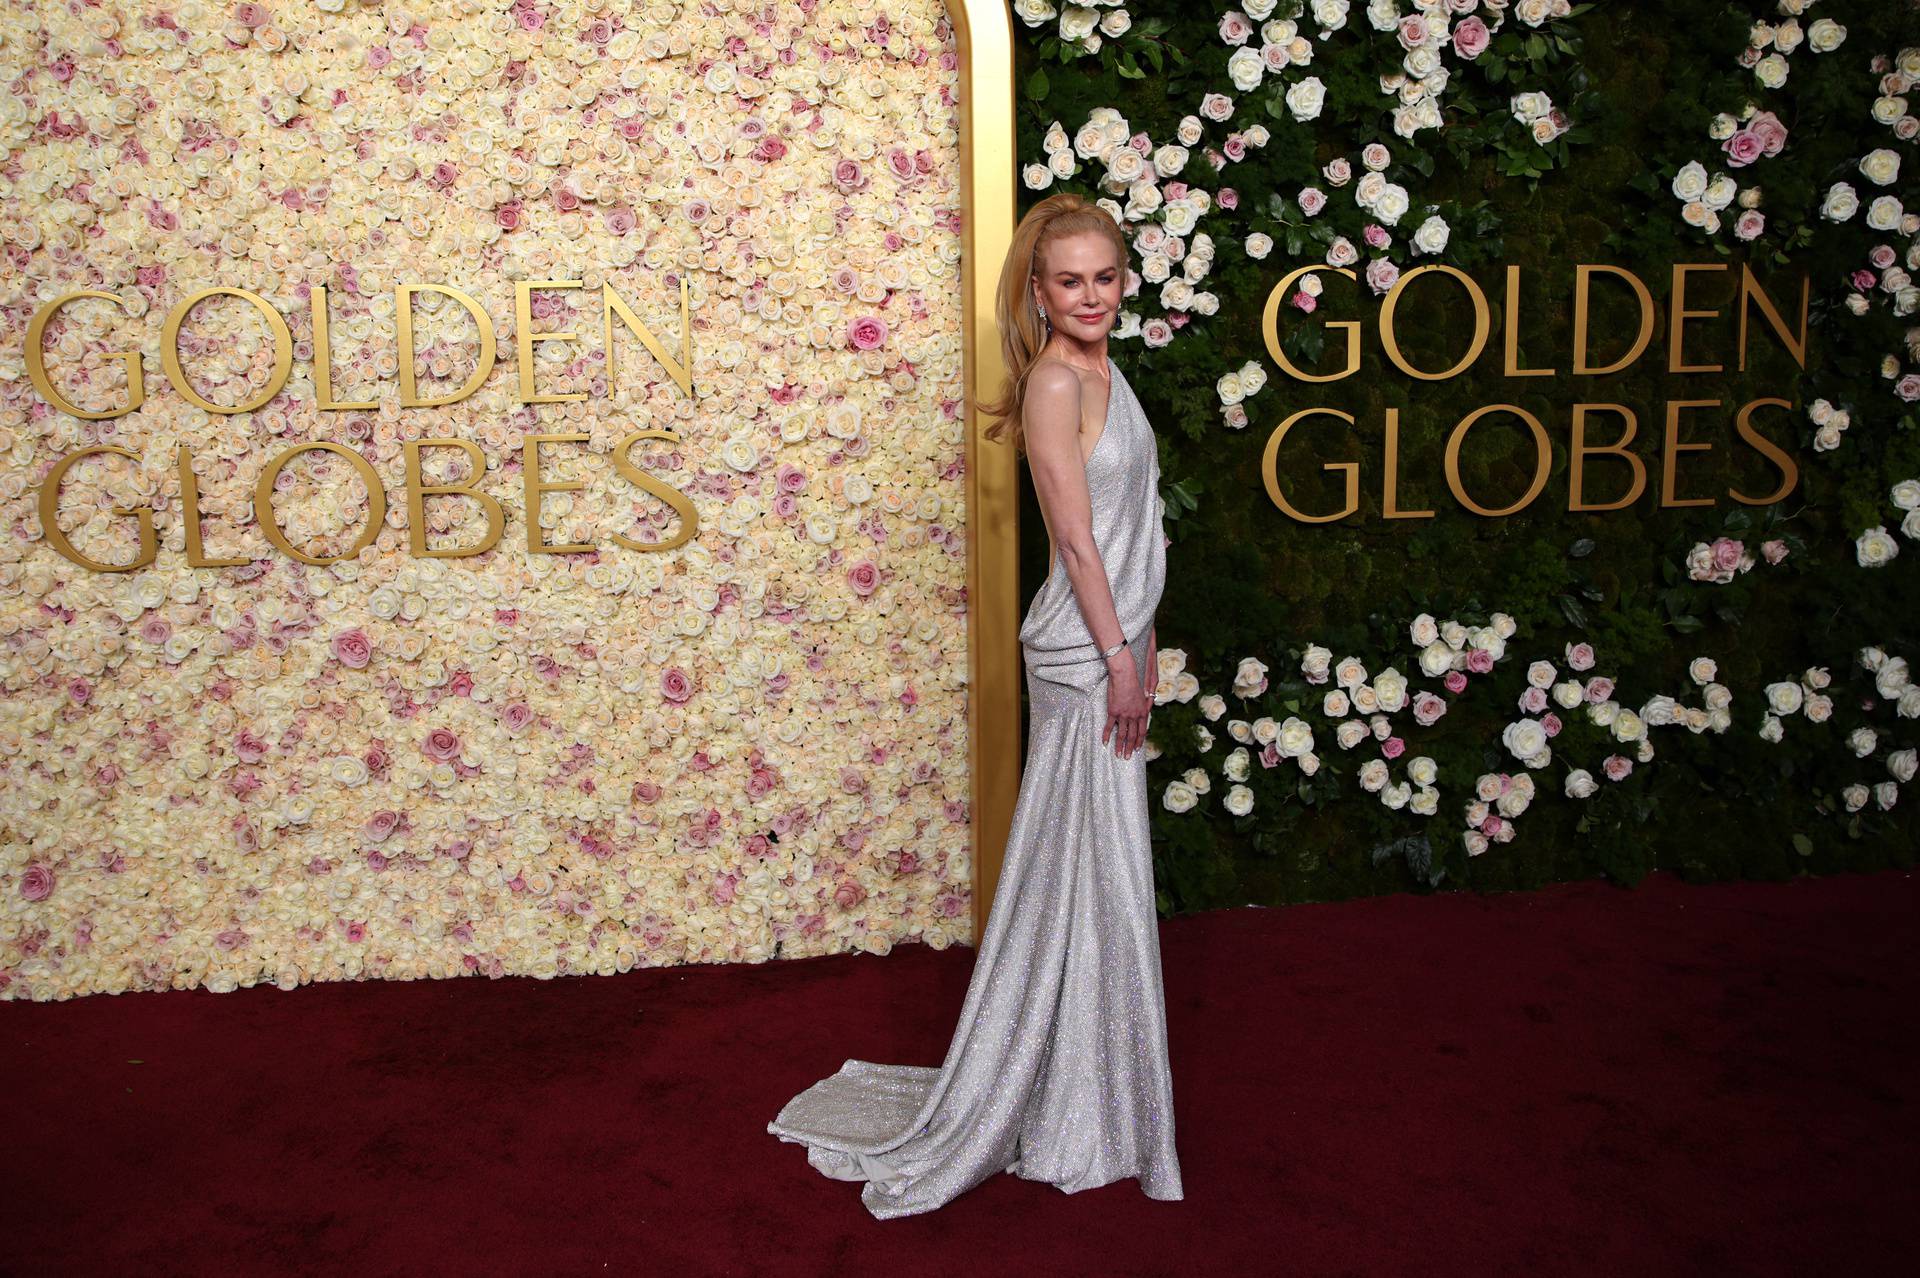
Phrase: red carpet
{"type": "Point", "coordinates": [1582, 1080]}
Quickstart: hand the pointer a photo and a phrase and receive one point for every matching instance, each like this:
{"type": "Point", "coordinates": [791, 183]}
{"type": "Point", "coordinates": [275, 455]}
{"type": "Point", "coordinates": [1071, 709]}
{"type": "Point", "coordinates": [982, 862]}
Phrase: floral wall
{"type": "Point", "coordinates": [747, 743]}
{"type": "Point", "coordinates": [1379, 702]}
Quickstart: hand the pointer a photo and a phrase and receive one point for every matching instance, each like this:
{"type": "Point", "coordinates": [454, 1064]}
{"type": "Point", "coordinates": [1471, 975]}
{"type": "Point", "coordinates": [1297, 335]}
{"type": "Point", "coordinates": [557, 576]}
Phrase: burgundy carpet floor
{"type": "Point", "coordinates": [1666, 1080]}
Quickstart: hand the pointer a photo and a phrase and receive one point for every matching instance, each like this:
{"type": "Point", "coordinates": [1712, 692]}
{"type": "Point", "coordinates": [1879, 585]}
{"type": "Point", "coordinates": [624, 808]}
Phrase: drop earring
{"type": "Point", "coordinates": [1043, 315]}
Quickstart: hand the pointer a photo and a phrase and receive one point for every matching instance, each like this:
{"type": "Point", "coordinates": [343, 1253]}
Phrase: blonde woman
{"type": "Point", "coordinates": [1058, 1070]}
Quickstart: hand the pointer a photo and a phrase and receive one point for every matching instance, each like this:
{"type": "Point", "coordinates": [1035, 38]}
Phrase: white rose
{"type": "Point", "coordinates": [1841, 203]}
{"type": "Point", "coordinates": [1235, 767]}
{"type": "Point", "coordinates": [1246, 67]}
{"type": "Point", "coordinates": [1690, 183]}
{"type": "Point", "coordinates": [1783, 698]}
{"type": "Point", "coordinates": [1825, 35]}
{"type": "Point", "coordinates": [1524, 738]}
{"type": "Point", "coordinates": [1431, 236]}
{"type": "Point", "coordinates": [1875, 547]}
{"type": "Point", "coordinates": [1306, 97]}
{"type": "Point", "coordinates": [1390, 690]}
{"type": "Point", "coordinates": [1178, 797]}
{"type": "Point", "coordinates": [1901, 764]}
{"type": "Point", "coordinates": [1239, 800]}
{"type": "Point", "coordinates": [1313, 663]}
{"type": "Point", "coordinates": [1880, 166]}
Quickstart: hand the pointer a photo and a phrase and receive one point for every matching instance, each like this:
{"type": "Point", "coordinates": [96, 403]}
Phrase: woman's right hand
{"type": "Point", "coordinates": [1127, 705]}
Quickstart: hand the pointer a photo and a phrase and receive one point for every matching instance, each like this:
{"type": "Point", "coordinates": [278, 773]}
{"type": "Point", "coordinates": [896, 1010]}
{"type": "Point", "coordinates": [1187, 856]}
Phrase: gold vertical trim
{"type": "Point", "coordinates": [983, 31]}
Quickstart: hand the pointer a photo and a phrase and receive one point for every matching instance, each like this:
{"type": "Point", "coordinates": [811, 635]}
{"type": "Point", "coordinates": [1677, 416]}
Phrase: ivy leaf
{"type": "Point", "coordinates": [1802, 844]}
{"type": "Point", "coordinates": [1575, 614]}
{"type": "Point", "coordinates": [1581, 548]}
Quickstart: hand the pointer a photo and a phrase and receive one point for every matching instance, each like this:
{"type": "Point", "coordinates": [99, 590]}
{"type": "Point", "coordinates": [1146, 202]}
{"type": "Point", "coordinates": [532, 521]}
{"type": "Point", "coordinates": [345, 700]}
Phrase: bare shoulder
{"type": "Point", "coordinates": [1055, 378]}
{"type": "Point", "coordinates": [1054, 395]}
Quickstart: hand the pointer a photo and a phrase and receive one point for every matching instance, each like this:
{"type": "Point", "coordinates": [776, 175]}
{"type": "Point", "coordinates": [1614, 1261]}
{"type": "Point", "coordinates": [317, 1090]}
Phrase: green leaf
{"type": "Point", "coordinates": [1581, 548]}
{"type": "Point", "coordinates": [1802, 844]}
{"type": "Point", "coordinates": [1038, 84]}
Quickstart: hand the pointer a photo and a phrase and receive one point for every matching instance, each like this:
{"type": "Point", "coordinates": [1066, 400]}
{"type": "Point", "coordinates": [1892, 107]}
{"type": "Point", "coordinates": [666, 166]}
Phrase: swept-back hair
{"type": "Point", "coordinates": [1022, 331]}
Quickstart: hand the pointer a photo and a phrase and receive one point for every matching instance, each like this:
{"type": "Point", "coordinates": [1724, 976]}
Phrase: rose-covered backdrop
{"type": "Point", "coordinates": [1373, 705]}
{"type": "Point", "coordinates": [750, 745]}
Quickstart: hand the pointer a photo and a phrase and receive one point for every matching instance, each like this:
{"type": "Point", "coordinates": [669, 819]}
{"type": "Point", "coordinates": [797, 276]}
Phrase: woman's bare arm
{"type": "Point", "coordinates": [1052, 414]}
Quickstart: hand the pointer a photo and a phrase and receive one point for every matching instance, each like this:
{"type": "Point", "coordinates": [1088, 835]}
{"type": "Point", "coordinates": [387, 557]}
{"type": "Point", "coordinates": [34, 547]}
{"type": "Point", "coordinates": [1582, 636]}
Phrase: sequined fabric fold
{"type": "Point", "coordinates": [1057, 1070]}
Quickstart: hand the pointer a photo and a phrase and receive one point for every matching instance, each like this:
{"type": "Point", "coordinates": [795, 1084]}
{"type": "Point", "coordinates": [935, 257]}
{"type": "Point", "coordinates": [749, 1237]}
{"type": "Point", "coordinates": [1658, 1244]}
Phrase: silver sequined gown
{"type": "Point", "coordinates": [1058, 1068]}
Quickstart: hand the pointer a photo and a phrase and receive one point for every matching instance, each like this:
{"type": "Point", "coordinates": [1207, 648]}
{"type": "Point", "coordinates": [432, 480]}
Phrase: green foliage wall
{"type": "Point", "coordinates": [1640, 85]}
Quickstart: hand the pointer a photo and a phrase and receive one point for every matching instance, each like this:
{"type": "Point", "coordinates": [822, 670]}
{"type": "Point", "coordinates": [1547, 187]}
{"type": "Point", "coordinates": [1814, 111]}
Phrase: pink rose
{"type": "Point", "coordinates": [863, 577]}
{"type": "Point", "coordinates": [1617, 766]}
{"type": "Point", "coordinates": [516, 716]}
{"type": "Point", "coordinates": [1908, 387]}
{"type": "Point", "coordinates": [1728, 552]}
{"type": "Point", "coordinates": [1550, 724]}
{"type": "Point", "coordinates": [1471, 38]}
{"type": "Point", "coordinates": [1881, 256]}
{"type": "Point", "coordinates": [1382, 274]}
{"type": "Point", "coordinates": [1750, 224]}
{"type": "Point", "coordinates": [1598, 689]}
{"type": "Point", "coordinates": [441, 745]}
{"type": "Point", "coordinates": [1304, 301]}
{"type": "Point", "coordinates": [867, 332]}
{"type": "Point", "coordinates": [1743, 148]}
{"type": "Point", "coordinates": [1774, 550]}
{"type": "Point", "coordinates": [1766, 126]}
{"type": "Point", "coordinates": [1427, 708]}
{"type": "Point", "coordinates": [36, 883]}
{"type": "Point", "coordinates": [1376, 236]}
{"type": "Point", "coordinates": [1455, 681]}
{"type": "Point", "coordinates": [1580, 656]}
{"type": "Point", "coordinates": [381, 824]}
{"type": "Point", "coordinates": [1393, 747]}
{"type": "Point", "coordinates": [1533, 700]}
{"type": "Point", "coordinates": [1479, 660]}
{"type": "Point", "coordinates": [352, 648]}
{"type": "Point", "coordinates": [155, 630]}
{"type": "Point", "coordinates": [1312, 200]}
{"type": "Point", "coordinates": [675, 686]}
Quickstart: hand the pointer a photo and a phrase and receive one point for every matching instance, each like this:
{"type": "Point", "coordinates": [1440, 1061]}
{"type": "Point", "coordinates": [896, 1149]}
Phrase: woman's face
{"type": "Point", "coordinates": [1079, 286]}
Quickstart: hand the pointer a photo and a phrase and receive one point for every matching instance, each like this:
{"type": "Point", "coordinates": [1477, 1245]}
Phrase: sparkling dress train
{"type": "Point", "coordinates": [1057, 1070]}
